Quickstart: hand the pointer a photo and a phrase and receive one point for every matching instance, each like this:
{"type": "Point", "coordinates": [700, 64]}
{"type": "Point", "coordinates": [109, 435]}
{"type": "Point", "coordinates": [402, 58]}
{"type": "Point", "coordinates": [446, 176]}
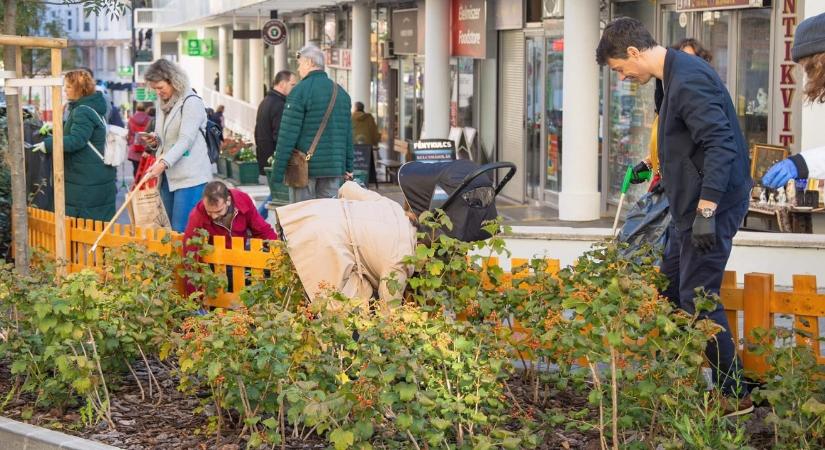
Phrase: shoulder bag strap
{"type": "Point", "coordinates": [324, 122]}
{"type": "Point", "coordinates": [95, 150]}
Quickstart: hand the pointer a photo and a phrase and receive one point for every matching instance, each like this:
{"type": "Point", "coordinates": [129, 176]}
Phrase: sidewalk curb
{"type": "Point", "coordinates": [16, 435]}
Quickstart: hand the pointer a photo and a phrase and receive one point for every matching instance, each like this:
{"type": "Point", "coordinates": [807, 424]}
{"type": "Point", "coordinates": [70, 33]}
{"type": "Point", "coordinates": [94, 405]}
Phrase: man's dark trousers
{"type": "Point", "coordinates": [687, 269]}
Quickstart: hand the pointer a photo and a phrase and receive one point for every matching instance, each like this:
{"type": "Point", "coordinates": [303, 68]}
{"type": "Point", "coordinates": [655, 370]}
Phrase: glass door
{"type": "Point", "coordinates": [675, 25]}
{"type": "Point", "coordinates": [715, 34]}
{"type": "Point", "coordinates": [534, 115]}
{"type": "Point", "coordinates": [753, 74]}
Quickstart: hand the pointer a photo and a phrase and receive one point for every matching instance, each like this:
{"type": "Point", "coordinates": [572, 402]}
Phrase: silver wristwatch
{"type": "Point", "coordinates": [707, 213]}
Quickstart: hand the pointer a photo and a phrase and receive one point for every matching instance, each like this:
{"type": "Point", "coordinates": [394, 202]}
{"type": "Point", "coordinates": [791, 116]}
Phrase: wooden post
{"type": "Point", "coordinates": [757, 306]}
{"type": "Point", "coordinates": [806, 284]}
{"type": "Point", "coordinates": [17, 165]}
{"type": "Point", "coordinates": [57, 158]}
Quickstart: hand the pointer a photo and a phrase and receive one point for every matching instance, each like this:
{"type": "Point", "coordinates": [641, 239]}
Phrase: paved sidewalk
{"type": "Point", "coordinates": [513, 213]}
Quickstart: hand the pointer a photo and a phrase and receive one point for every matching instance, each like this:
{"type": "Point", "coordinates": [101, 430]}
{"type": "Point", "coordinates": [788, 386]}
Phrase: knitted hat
{"type": "Point", "coordinates": [809, 38]}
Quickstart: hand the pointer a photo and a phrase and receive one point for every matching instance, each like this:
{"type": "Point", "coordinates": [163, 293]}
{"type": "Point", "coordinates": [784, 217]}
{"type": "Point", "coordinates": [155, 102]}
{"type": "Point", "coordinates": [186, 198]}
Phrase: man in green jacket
{"type": "Point", "coordinates": [306, 105]}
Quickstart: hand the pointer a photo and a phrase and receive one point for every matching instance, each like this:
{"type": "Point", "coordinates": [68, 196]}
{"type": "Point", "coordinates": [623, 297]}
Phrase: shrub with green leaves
{"type": "Point", "coordinates": [794, 387]}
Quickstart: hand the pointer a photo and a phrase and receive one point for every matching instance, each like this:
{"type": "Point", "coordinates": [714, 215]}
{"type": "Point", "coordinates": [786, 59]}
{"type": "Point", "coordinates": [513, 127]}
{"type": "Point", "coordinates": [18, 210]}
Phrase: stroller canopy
{"type": "Point", "coordinates": [462, 188]}
{"type": "Point", "coordinates": [420, 181]}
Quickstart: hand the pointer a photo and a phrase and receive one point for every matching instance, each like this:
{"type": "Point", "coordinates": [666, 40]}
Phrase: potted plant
{"type": "Point", "coordinates": [229, 148]}
{"type": "Point", "coordinates": [245, 166]}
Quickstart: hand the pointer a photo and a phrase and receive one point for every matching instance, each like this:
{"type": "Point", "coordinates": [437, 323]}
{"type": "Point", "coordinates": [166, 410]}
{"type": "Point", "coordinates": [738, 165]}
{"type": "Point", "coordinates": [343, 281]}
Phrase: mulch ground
{"type": "Point", "coordinates": [172, 423]}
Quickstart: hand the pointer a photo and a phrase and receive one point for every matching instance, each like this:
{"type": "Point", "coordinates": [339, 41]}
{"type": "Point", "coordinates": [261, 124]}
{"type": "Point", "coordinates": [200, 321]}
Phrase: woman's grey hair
{"type": "Point", "coordinates": [165, 70]}
{"type": "Point", "coordinates": [313, 54]}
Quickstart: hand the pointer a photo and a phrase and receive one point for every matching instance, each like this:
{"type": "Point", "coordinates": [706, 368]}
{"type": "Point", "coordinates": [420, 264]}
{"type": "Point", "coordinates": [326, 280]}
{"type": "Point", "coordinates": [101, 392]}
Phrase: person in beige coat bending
{"type": "Point", "coordinates": [352, 244]}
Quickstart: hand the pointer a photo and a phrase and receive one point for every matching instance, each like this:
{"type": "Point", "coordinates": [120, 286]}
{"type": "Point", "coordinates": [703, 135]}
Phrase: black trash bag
{"type": "Point", "coordinates": [646, 223]}
{"type": "Point", "coordinates": [39, 175]}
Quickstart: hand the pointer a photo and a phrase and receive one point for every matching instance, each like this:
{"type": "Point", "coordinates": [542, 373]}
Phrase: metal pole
{"type": "Point", "coordinates": [134, 60]}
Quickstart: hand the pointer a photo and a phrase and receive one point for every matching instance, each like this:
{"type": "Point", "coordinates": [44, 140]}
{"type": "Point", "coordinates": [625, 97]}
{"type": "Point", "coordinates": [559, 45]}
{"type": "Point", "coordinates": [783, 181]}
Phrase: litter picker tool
{"type": "Point", "coordinates": [628, 178]}
{"type": "Point", "coordinates": [119, 212]}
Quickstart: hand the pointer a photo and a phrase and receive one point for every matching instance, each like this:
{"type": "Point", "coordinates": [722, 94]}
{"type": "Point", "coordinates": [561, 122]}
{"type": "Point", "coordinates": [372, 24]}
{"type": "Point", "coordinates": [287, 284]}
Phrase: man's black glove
{"type": "Point", "coordinates": [704, 233]}
{"type": "Point", "coordinates": [641, 173]}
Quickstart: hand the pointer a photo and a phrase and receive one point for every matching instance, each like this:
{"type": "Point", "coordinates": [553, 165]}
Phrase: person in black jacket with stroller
{"type": "Point", "coordinates": [705, 175]}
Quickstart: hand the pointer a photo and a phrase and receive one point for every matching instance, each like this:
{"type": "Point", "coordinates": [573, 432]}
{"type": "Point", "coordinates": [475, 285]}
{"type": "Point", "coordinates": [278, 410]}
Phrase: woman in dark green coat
{"type": "Point", "coordinates": [90, 184]}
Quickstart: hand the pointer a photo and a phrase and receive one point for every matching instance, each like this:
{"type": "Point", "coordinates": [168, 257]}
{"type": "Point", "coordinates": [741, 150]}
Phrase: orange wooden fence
{"type": "Point", "coordinates": [241, 263]}
{"type": "Point", "coordinates": [756, 300]}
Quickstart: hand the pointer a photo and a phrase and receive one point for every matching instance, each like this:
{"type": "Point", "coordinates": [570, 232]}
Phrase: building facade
{"type": "Point", "coordinates": [507, 80]}
{"type": "Point", "coordinates": [100, 43]}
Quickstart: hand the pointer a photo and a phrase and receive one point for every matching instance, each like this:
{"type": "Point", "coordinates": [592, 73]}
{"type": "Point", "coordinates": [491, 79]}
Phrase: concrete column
{"type": "Point", "coordinates": [309, 29]}
{"type": "Point", "coordinates": [436, 69]}
{"type": "Point", "coordinates": [156, 45]}
{"type": "Point", "coordinates": [579, 197]}
{"type": "Point", "coordinates": [359, 90]}
{"type": "Point", "coordinates": [238, 69]}
{"type": "Point", "coordinates": [279, 59]}
{"type": "Point", "coordinates": [256, 70]}
{"type": "Point", "coordinates": [224, 35]}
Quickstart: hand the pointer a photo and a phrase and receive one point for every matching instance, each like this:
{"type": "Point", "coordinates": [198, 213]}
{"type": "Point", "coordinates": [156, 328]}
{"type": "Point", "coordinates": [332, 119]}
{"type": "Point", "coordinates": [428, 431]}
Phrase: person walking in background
{"type": "Point", "coordinates": [268, 120]}
{"type": "Point", "coordinates": [138, 123]}
{"type": "Point", "coordinates": [217, 82]}
{"type": "Point", "coordinates": [182, 157]}
{"type": "Point", "coordinates": [809, 52]}
{"type": "Point", "coordinates": [706, 176]}
{"type": "Point", "coordinates": [216, 116]}
{"type": "Point", "coordinates": [89, 182]}
{"type": "Point", "coordinates": [364, 129]}
{"type": "Point", "coordinates": [306, 107]}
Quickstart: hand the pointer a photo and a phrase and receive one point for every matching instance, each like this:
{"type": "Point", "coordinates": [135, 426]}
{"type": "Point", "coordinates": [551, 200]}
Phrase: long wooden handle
{"type": "Point", "coordinates": [618, 213]}
{"type": "Point", "coordinates": [119, 212]}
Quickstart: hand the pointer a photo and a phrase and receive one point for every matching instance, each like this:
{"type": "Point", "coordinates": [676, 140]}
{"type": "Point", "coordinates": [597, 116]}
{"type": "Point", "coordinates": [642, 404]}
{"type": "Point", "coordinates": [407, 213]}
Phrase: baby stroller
{"type": "Point", "coordinates": [462, 189]}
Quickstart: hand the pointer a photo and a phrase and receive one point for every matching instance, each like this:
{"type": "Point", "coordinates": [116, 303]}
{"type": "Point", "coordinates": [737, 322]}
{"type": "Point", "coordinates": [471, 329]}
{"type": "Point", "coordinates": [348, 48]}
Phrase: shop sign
{"type": "Point", "coordinates": [469, 28]}
{"type": "Point", "coordinates": [144, 94]}
{"type": "Point", "coordinates": [788, 77]}
{"type": "Point", "coordinates": [509, 15]}
{"type": "Point", "coordinates": [405, 31]}
{"type": "Point", "coordinates": [434, 150]}
{"type": "Point", "coordinates": [702, 5]}
{"type": "Point", "coordinates": [200, 47]}
{"type": "Point", "coordinates": [125, 71]}
{"type": "Point", "coordinates": [274, 32]}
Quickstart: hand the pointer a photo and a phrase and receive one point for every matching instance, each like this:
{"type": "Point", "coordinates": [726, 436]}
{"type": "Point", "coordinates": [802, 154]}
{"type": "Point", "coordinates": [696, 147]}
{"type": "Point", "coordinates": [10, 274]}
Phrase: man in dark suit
{"type": "Point", "coordinates": [705, 174]}
{"type": "Point", "coordinates": [268, 120]}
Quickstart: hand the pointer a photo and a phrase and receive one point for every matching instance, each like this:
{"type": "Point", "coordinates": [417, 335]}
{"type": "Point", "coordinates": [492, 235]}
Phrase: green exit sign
{"type": "Point", "coordinates": [200, 47]}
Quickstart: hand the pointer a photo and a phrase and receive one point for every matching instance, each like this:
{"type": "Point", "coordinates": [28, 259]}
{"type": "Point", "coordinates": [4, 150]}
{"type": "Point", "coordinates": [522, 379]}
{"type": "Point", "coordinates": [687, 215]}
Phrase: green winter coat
{"type": "Point", "coordinates": [303, 114]}
{"type": "Point", "coordinates": [90, 184]}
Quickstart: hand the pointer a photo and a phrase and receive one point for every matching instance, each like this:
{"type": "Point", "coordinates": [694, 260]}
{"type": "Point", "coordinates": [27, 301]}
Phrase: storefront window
{"type": "Point", "coordinates": [753, 73]}
{"type": "Point", "coordinates": [461, 98]}
{"type": "Point", "coordinates": [412, 78]}
{"type": "Point", "coordinates": [630, 113]}
{"type": "Point", "coordinates": [294, 42]}
{"type": "Point", "coordinates": [675, 25]}
{"type": "Point", "coordinates": [715, 29]}
{"type": "Point", "coordinates": [553, 105]}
